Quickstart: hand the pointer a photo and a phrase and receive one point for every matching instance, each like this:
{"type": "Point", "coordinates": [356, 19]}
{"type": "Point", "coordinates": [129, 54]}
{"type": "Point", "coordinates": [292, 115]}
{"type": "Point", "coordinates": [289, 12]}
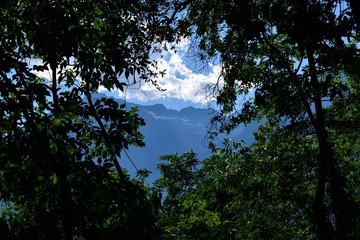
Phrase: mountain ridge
{"type": "Point", "coordinates": [169, 131]}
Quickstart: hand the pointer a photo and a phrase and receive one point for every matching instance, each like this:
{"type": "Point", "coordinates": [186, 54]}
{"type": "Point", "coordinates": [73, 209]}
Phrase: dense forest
{"type": "Point", "coordinates": [60, 148]}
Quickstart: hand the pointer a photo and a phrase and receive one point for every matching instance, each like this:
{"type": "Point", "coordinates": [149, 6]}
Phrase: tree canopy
{"type": "Point", "coordinates": [59, 172]}
{"type": "Point", "coordinates": [297, 62]}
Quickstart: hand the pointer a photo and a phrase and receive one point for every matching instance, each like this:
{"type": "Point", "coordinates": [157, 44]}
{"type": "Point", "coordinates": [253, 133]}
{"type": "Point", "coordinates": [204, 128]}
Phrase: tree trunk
{"type": "Point", "coordinates": [324, 228]}
{"type": "Point", "coordinates": [328, 169]}
{"type": "Point", "coordinates": [60, 167]}
{"type": "Point", "coordinates": [339, 200]}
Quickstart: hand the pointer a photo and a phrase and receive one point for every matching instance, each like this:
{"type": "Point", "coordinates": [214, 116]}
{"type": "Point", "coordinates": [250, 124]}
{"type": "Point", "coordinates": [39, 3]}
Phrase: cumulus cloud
{"type": "Point", "coordinates": [46, 74]}
{"type": "Point", "coordinates": [181, 81]}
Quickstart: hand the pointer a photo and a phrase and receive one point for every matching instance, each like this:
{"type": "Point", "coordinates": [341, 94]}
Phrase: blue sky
{"type": "Point", "coordinates": [185, 81]}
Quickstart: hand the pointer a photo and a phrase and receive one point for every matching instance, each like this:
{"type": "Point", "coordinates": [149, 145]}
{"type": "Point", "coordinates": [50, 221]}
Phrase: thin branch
{"type": "Point", "coordinates": [178, 8]}
{"type": "Point", "coordinates": [104, 133]}
{"type": "Point", "coordinates": [297, 84]}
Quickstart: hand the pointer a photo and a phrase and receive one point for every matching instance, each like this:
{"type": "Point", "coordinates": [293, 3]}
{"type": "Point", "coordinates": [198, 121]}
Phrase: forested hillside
{"type": "Point", "coordinates": [169, 131]}
{"type": "Point", "coordinates": [291, 66]}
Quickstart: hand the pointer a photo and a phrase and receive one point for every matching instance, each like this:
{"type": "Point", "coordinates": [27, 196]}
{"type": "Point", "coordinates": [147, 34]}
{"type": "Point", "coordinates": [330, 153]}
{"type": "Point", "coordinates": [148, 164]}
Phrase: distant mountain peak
{"type": "Point", "coordinates": [168, 131]}
{"type": "Point", "coordinates": [157, 107]}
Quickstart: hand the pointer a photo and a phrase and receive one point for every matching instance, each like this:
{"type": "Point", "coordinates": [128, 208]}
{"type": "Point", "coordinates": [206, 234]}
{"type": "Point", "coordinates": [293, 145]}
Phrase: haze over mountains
{"type": "Point", "coordinates": [170, 131]}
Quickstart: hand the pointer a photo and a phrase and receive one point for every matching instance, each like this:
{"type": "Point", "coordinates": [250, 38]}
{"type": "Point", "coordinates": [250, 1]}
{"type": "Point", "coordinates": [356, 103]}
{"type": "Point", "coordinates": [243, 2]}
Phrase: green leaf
{"type": "Point", "coordinates": [56, 122]}
{"type": "Point", "coordinates": [127, 73]}
{"type": "Point", "coordinates": [54, 179]}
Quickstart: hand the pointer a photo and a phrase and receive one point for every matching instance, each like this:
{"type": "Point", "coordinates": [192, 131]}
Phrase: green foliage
{"type": "Point", "coordinates": [240, 193]}
{"type": "Point", "coordinates": [256, 196]}
{"type": "Point", "coordinates": [262, 192]}
{"type": "Point", "coordinates": [59, 148]}
{"type": "Point", "coordinates": [184, 213]}
{"type": "Point", "coordinates": [300, 60]}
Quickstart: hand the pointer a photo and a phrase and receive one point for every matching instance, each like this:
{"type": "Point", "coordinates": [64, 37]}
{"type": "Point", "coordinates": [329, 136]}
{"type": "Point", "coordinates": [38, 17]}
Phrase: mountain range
{"type": "Point", "coordinates": [169, 131]}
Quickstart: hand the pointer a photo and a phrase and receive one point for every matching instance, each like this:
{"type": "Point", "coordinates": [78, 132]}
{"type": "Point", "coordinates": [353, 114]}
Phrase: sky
{"type": "Point", "coordinates": [186, 80]}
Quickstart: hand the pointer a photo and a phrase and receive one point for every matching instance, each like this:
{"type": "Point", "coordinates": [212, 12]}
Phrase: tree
{"type": "Point", "coordinates": [184, 212]}
{"type": "Point", "coordinates": [260, 194]}
{"type": "Point", "coordinates": [293, 56]}
{"type": "Point", "coordinates": [60, 147]}
{"type": "Point", "coordinates": [241, 193]}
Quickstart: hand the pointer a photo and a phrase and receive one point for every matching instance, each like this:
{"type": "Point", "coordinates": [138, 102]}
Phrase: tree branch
{"type": "Point", "coordinates": [293, 75]}
{"type": "Point", "coordinates": [178, 8]}
{"type": "Point", "coordinates": [104, 134]}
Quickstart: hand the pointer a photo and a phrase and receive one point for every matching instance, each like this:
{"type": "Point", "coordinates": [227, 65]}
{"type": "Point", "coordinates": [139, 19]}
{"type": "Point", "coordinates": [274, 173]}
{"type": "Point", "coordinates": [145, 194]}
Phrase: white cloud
{"type": "Point", "coordinates": [180, 81]}
{"type": "Point", "coordinates": [46, 74]}
{"type": "Point", "coordinates": [42, 74]}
